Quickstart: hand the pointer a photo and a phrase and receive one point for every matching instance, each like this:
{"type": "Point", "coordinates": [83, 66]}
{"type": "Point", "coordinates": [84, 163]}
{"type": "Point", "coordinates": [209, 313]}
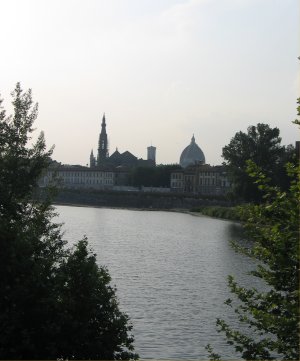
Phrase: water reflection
{"type": "Point", "coordinates": [235, 231]}
{"type": "Point", "coordinates": [170, 270]}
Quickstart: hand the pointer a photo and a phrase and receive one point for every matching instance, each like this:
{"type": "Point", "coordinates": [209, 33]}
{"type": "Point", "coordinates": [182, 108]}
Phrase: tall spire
{"type": "Point", "coordinates": [92, 160]}
{"type": "Point", "coordinates": [193, 139]}
{"type": "Point", "coordinates": [102, 144]}
{"type": "Point", "coordinates": [103, 125]}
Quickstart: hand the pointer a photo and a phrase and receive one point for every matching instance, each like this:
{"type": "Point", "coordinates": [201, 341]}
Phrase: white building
{"type": "Point", "coordinates": [78, 177]}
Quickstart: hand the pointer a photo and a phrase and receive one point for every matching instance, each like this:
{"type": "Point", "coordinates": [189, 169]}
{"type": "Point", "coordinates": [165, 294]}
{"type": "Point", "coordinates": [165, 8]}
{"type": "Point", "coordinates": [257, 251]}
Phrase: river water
{"type": "Point", "coordinates": [170, 270]}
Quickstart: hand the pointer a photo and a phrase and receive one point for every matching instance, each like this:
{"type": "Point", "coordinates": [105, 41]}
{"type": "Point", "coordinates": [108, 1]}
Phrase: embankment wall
{"type": "Point", "coordinates": [134, 199]}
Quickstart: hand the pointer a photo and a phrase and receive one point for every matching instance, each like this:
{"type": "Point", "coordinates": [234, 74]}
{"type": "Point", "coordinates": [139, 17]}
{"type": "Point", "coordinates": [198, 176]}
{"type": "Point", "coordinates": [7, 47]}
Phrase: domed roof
{"type": "Point", "coordinates": [191, 154]}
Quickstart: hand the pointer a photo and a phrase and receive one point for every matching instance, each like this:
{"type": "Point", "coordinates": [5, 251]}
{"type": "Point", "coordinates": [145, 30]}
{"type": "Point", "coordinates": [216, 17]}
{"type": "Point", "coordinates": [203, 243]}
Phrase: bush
{"type": "Point", "coordinates": [55, 302]}
{"type": "Point", "coordinates": [230, 213]}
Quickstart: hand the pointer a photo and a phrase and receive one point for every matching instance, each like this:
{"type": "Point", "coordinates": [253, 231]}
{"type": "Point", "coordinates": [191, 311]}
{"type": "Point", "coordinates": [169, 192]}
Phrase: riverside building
{"type": "Point", "coordinates": [114, 172]}
{"type": "Point", "coordinates": [200, 179]}
{"type": "Point", "coordinates": [194, 176]}
{"type": "Point", "coordinates": [78, 177]}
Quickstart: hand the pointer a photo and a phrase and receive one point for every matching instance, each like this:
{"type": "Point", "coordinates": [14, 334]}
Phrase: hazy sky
{"type": "Point", "coordinates": [161, 70]}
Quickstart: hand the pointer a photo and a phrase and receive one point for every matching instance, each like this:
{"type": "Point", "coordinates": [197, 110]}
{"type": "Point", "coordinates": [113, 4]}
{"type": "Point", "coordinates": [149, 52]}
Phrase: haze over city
{"type": "Point", "coordinates": [161, 70]}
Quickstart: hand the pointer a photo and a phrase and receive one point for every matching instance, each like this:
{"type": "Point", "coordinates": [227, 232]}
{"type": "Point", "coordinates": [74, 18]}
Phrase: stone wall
{"type": "Point", "coordinates": [134, 199]}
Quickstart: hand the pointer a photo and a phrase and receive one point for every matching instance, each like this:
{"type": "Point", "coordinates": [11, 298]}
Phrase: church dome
{"type": "Point", "coordinates": [191, 154]}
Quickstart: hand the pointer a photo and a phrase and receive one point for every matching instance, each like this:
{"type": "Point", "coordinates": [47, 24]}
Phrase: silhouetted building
{"type": "Point", "coordinates": [151, 153]}
{"type": "Point", "coordinates": [191, 154]}
{"type": "Point", "coordinates": [122, 159]}
{"type": "Point", "coordinates": [92, 160]}
{"type": "Point", "coordinates": [117, 159]}
{"type": "Point", "coordinates": [102, 144]}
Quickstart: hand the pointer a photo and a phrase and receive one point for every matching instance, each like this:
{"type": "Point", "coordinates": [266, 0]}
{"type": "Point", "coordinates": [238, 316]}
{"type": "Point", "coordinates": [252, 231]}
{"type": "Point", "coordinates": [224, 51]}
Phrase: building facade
{"type": "Point", "coordinates": [115, 171]}
{"type": "Point", "coordinates": [78, 177]}
{"type": "Point", "coordinates": [200, 179]}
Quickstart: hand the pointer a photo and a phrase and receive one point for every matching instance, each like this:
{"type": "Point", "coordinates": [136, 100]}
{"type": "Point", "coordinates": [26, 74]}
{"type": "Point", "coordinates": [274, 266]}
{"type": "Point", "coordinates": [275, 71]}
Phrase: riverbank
{"type": "Point", "coordinates": [225, 213]}
{"type": "Point", "coordinates": [229, 213]}
{"type": "Point", "coordinates": [136, 200]}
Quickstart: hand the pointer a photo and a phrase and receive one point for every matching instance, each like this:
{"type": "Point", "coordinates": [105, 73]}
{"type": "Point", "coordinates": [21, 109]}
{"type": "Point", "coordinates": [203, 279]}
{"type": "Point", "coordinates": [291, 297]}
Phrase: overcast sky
{"type": "Point", "coordinates": [161, 70]}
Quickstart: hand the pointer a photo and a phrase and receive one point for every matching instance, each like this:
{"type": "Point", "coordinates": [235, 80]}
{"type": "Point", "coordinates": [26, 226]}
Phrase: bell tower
{"type": "Point", "coordinates": [102, 144]}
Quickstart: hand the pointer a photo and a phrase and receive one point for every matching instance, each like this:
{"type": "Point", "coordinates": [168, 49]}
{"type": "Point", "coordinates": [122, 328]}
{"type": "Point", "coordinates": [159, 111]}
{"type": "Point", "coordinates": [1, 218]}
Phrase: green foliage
{"type": "Point", "coordinates": [231, 213]}
{"type": "Point", "coordinates": [86, 297]}
{"type": "Point", "coordinates": [158, 176]}
{"type": "Point", "coordinates": [212, 355]}
{"type": "Point", "coordinates": [272, 316]}
{"type": "Point", "coordinates": [261, 144]}
{"type": "Point", "coordinates": [54, 302]}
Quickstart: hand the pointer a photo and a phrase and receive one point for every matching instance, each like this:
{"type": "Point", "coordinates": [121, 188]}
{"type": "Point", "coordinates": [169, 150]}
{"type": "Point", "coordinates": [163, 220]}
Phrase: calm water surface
{"type": "Point", "coordinates": [170, 271]}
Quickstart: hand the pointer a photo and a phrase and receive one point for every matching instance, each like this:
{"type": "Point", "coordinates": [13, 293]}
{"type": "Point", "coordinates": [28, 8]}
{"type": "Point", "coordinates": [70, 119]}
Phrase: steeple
{"type": "Point", "coordinates": [103, 124]}
{"type": "Point", "coordinates": [92, 160]}
{"type": "Point", "coordinates": [193, 139]}
{"type": "Point", "coordinates": [102, 144]}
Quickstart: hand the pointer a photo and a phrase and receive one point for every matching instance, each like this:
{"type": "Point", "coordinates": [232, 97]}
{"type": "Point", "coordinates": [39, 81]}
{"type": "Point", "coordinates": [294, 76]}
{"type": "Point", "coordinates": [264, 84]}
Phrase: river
{"type": "Point", "coordinates": [170, 270]}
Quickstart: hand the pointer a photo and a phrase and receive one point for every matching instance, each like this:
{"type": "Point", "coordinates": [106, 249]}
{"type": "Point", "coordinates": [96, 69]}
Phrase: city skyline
{"type": "Point", "coordinates": [161, 71]}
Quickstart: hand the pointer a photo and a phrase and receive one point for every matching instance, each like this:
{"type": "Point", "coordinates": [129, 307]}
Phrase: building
{"type": "Point", "coordinates": [194, 176]}
{"type": "Point", "coordinates": [78, 177]}
{"type": "Point", "coordinates": [191, 154]}
{"type": "Point", "coordinates": [102, 144]}
{"type": "Point", "coordinates": [117, 159]}
{"type": "Point", "coordinates": [200, 179]}
{"type": "Point", "coordinates": [151, 154]}
{"type": "Point", "coordinates": [92, 160]}
{"type": "Point", "coordinates": [115, 171]}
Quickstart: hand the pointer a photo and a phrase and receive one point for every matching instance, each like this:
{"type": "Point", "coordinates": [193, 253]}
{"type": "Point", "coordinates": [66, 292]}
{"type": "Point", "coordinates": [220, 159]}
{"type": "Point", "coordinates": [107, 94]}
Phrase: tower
{"type": "Point", "coordinates": [92, 160]}
{"type": "Point", "coordinates": [151, 151]}
{"type": "Point", "coordinates": [102, 144]}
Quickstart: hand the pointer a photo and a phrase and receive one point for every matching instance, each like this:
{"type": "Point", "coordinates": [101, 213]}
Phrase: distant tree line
{"type": "Point", "coordinates": [262, 145]}
{"type": "Point", "coordinates": [158, 176]}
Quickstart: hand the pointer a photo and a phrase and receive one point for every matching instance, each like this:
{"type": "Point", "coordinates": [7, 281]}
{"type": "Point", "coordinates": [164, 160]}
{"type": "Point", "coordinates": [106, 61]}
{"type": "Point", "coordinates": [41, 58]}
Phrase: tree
{"type": "Point", "coordinates": [54, 301]}
{"type": "Point", "coordinates": [100, 330]}
{"type": "Point", "coordinates": [272, 316]}
{"type": "Point", "coordinates": [261, 144]}
{"type": "Point", "coordinates": [158, 176]}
